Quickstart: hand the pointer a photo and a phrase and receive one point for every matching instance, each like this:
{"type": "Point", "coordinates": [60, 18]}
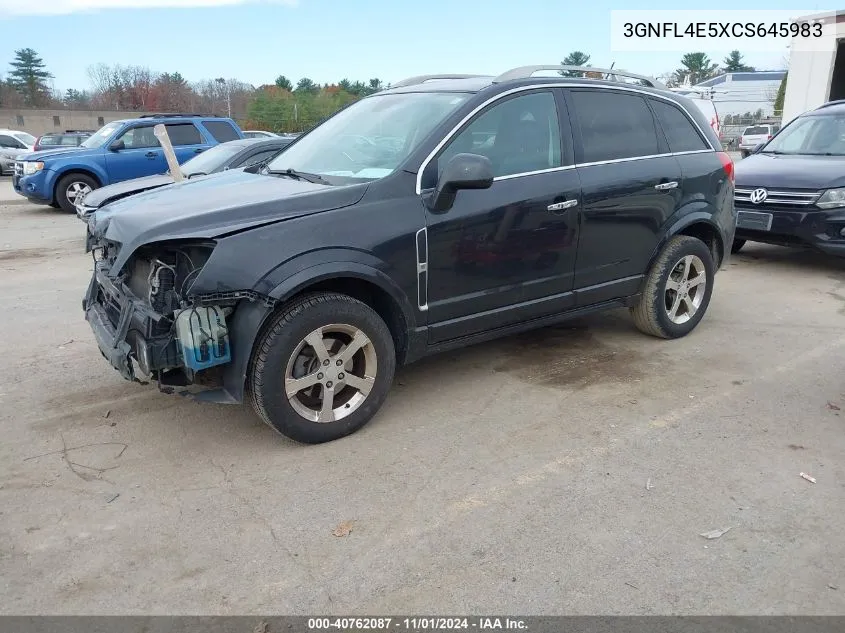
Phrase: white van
{"type": "Point", "coordinates": [703, 100]}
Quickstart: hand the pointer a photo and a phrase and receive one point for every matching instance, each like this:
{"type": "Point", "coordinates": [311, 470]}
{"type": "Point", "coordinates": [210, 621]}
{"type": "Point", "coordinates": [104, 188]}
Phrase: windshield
{"type": "Point", "coordinates": [101, 135]}
{"type": "Point", "coordinates": [814, 135]}
{"type": "Point", "coordinates": [28, 139]}
{"type": "Point", "coordinates": [210, 159]}
{"type": "Point", "coordinates": [369, 139]}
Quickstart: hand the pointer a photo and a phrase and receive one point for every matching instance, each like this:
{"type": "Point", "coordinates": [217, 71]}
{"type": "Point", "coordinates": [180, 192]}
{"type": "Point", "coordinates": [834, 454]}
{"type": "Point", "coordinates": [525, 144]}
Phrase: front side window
{"type": "Point", "coordinates": [679, 130]}
{"type": "Point", "coordinates": [518, 135]}
{"type": "Point", "coordinates": [102, 135]}
{"type": "Point", "coordinates": [818, 135]}
{"type": "Point", "coordinates": [139, 137]}
{"type": "Point", "coordinates": [369, 139]}
{"type": "Point", "coordinates": [614, 125]}
{"type": "Point", "coordinates": [256, 158]}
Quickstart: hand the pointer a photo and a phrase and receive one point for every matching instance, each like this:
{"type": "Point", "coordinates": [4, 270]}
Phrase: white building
{"type": "Point", "coordinates": [741, 92]}
{"type": "Point", "coordinates": [816, 68]}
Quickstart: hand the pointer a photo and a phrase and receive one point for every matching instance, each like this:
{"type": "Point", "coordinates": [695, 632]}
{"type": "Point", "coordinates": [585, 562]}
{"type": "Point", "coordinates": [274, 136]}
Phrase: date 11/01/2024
{"type": "Point", "coordinates": [417, 624]}
{"type": "Point", "coordinates": [721, 29]}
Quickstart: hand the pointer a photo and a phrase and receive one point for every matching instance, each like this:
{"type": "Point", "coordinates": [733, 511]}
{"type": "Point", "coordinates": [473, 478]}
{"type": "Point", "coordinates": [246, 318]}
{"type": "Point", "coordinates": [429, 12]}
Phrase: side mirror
{"type": "Point", "coordinates": [758, 148]}
{"type": "Point", "coordinates": [463, 171]}
{"type": "Point", "coordinates": [117, 145]}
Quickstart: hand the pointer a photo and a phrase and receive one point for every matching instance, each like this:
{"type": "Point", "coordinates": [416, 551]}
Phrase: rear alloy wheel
{"type": "Point", "coordinates": [73, 188]}
{"type": "Point", "coordinates": [323, 368]}
{"type": "Point", "coordinates": [677, 290]}
{"type": "Point", "coordinates": [737, 246]}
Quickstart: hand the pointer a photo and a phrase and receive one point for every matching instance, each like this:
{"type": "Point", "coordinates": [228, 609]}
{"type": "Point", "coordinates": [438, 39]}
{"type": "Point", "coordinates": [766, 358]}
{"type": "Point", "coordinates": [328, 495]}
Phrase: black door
{"type": "Point", "coordinates": [630, 186]}
{"type": "Point", "coordinates": [506, 254]}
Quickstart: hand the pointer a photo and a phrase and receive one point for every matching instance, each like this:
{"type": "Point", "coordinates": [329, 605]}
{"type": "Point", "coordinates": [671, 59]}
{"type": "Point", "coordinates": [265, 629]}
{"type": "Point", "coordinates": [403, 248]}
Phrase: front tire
{"type": "Point", "coordinates": [677, 290]}
{"type": "Point", "coordinates": [322, 368]}
{"type": "Point", "coordinates": [71, 187]}
{"type": "Point", "coordinates": [737, 246]}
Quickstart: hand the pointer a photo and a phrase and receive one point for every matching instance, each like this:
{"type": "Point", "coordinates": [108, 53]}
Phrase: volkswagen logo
{"type": "Point", "coordinates": [758, 195]}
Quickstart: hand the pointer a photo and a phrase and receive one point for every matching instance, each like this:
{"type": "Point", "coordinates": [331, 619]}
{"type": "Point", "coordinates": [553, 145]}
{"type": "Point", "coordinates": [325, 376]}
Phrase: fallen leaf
{"type": "Point", "coordinates": [261, 627]}
{"type": "Point", "coordinates": [834, 587]}
{"type": "Point", "coordinates": [712, 534]}
{"type": "Point", "coordinates": [343, 529]}
{"type": "Point", "coordinates": [796, 447]}
{"type": "Point", "coordinates": [833, 407]}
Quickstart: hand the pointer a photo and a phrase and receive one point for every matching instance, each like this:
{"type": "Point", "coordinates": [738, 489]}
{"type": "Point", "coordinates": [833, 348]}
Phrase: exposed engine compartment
{"type": "Point", "coordinates": [162, 276]}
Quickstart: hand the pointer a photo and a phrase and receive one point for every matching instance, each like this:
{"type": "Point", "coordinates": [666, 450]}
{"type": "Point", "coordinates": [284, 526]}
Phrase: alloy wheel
{"type": "Point", "coordinates": [331, 372]}
{"type": "Point", "coordinates": [685, 289]}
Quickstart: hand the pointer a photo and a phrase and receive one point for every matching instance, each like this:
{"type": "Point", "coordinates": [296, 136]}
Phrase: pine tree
{"type": "Point", "coordinates": [29, 77]}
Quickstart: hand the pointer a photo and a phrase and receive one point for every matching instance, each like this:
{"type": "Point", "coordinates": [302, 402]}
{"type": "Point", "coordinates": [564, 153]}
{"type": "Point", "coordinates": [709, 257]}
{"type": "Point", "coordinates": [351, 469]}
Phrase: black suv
{"type": "Point", "coordinates": [791, 191]}
{"type": "Point", "coordinates": [445, 211]}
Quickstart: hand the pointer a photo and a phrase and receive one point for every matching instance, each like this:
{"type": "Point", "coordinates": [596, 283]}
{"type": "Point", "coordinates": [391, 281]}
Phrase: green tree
{"type": "Point", "coordinates": [733, 63]}
{"type": "Point", "coordinates": [284, 83]}
{"type": "Point", "coordinates": [29, 77]}
{"type": "Point", "coordinates": [695, 68]}
{"type": "Point", "coordinates": [778, 107]}
{"type": "Point", "coordinates": [75, 98]}
{"type": "Point", "coordinates": [374, 86]}
{"type": "Point", "coordinates": [307, 86]}
{"type": "Point", "coordinates": [345, 85]}
{"type": "Point", "coordinates": [575, 58]}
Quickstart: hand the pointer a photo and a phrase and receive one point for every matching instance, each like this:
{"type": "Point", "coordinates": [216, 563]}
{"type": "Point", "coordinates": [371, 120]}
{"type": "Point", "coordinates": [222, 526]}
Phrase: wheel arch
{"type": "Point", "coordinates": [75, 170]}
{"type": "Point", "coordinates": [698, 224]}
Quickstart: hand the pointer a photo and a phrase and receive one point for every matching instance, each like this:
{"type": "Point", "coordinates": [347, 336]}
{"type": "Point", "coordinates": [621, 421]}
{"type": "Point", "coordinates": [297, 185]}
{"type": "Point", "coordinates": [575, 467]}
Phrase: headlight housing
{"type": "Point", "coordinates": [32, 167]}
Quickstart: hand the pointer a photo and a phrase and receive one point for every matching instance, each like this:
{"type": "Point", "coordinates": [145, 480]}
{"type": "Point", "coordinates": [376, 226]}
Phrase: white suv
{"type": "Point", "coordinates": [753, 135]}
{"type": "Point", "coordinates": [12, 144]}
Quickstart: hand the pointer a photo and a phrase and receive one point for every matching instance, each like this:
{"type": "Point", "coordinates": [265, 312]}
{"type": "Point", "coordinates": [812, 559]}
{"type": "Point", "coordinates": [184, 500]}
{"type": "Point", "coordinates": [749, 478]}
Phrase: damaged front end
{"type": "Point", "coordinates": [146, 320]}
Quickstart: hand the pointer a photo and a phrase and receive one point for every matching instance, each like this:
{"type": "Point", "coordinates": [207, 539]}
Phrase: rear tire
{"type": "Point", "coordinates": [72, 186]}
{"type": "Point", "coordinates": [737, 246]}
{"type": "Point", "coordinates": [322, 368]}
{"type": "Point", "coordinates": [677, 290]}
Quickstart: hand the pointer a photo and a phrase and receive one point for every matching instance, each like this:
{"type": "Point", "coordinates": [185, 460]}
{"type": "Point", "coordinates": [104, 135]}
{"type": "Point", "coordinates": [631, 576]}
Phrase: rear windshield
{"type": "Point", "coordinates": [759, 129]}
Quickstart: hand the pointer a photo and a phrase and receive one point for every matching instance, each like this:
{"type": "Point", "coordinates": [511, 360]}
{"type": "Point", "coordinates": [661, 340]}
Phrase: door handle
{"type": "Point", "coordinates": [151, 154]}
{"type": "Point", "coordinates": [663, 186]}
{"type": "Point", "coordinates": [560, 206]}
{"type": "Point", "coordinates": [199, 150]}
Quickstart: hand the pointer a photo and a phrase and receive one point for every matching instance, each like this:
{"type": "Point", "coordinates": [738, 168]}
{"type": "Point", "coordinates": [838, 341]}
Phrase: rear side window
{"type": "Point", "coordinates": [49, 140]}
{"type": "Point", "coordinates": [222, 131]}
{"type": "Point", "coordinates": [679, 130]}
{"type": "Point", "coordinates": [614, 126]}
{"type": "Point", "coordinates": [72, 141]}
{"type": "Point", "coordinates": [183, 134]}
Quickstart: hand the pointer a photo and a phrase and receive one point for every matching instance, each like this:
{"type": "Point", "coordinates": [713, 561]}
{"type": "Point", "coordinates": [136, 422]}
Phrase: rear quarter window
{"type": "Point", "coordinates": [679, 130]}
{"type": "Point", "coordinates": [222, 131]}
{"type": "Point", "coordinates": [49, 140]}
{"type": "Point", "coordinates": [614, 126]}
{"type": "Point", "coordinates": [183, 134]}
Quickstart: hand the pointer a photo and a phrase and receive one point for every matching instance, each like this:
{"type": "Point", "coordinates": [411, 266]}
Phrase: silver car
{"type": "Point", "coordinates": [13, 143]}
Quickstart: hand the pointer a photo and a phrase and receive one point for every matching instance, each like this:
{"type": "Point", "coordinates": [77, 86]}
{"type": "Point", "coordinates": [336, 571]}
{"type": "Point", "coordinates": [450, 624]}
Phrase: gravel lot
{"type": "Point", "coordinates": [569, 470]}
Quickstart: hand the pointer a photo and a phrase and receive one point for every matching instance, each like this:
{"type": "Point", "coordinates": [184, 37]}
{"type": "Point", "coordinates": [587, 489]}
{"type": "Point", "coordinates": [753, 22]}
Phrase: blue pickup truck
{"type": "Point", "coordinates": [120, 150]}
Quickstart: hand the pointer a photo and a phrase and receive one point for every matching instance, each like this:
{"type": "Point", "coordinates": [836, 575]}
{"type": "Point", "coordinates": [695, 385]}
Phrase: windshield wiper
{"type": "Point", "coordinates": [774, 151]}
{"type": "Point", "coordinates": [300, 175]}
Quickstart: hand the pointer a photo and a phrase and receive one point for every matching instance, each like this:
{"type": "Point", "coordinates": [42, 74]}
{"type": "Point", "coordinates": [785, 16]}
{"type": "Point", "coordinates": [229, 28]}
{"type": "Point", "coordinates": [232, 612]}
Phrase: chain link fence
{"type": "Point", "coordinates": [733, 125]}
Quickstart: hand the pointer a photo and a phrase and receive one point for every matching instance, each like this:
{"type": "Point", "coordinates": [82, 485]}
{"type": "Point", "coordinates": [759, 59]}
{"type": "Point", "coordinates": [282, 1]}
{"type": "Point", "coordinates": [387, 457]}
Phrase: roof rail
{"type": "Point", "coordinates": [831, 103]}
{"type": "Point", "coordinates": [524, 72]}
{"type": "Point", "coordinates": [419, 79]}
{"type": "Point", "coordinates": [165, 115]}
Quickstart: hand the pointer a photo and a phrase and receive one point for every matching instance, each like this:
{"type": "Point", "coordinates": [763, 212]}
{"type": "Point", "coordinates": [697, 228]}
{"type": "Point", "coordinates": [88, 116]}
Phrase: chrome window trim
{"type": "Point", "coordinates": [502, 95]}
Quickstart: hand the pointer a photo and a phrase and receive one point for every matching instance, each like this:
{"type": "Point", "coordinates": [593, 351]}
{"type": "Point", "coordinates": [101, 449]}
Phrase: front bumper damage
{"type": "Point", "coordinates": [112, 310]}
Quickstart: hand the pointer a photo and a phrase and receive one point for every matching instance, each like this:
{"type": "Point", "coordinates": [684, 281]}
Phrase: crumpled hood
{"type": "Point", "coordinates": [783, 171]}
{"type": "Point", "coordinates": [211, 206]}
{"type": "Point", "coordinates": [99, 197]}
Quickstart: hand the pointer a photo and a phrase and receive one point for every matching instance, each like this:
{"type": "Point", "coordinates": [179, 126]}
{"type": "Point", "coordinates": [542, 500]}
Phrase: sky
{"type": "Point", "coordinates": [326, 40]}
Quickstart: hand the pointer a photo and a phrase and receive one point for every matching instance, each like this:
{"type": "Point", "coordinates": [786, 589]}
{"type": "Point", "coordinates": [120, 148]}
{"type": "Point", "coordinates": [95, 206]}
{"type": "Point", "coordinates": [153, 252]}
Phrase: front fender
{"type": "Point", "coordinates": [286, 286]}
{"type": "Point", "coordinates": [92, 167]}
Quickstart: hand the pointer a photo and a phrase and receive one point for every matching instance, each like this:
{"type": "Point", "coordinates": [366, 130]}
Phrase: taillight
{"type": "Point", "coordinates": [727, 165]}
{"type": "Point", "coordinates": [770, 137]}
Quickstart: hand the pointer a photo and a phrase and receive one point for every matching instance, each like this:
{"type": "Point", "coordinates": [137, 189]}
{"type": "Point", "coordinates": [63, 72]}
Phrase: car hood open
{"type": "Point", "coordinates": [209, 207]}
{"type": "Point", "coordinates": [103, 195]}
{"type": "Point", "coordinates": [791, 171]}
